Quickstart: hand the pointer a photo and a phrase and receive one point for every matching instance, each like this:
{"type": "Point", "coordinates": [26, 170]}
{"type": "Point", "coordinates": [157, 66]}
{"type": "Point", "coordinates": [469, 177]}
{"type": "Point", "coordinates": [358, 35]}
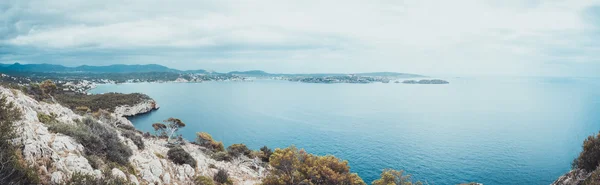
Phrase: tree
{"type": "Point", "coordinates": [173, 125]}
{"type": "Point", "coordinates": [393, 177]}
{"type": "Point", "coordinates": [291, 166]}
{"type": "Point", "coordinates": [48, 87]}
{"type": "Point", "coordinates": [169, 129]}
{"type": "Point", "coordinates": [159, 129]}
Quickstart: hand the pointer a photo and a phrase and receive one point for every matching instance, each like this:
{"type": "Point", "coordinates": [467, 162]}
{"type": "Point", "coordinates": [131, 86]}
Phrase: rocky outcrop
{"type": "Point", "coordinates": [57, 157]}
{"type": "Point", "coordinates": [140, 108]}
{"type": "Point", "coordinates": [574, 177]}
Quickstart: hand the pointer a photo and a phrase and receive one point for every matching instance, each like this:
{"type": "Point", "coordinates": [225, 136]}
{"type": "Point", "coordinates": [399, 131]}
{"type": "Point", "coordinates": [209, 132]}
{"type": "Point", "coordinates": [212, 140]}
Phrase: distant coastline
{"type": "Point", "coordinates": [79, 80]}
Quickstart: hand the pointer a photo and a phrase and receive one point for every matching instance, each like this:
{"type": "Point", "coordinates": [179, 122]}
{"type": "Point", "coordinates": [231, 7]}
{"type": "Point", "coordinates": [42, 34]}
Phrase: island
{"type": "Point", "coordinates": [425, 81]}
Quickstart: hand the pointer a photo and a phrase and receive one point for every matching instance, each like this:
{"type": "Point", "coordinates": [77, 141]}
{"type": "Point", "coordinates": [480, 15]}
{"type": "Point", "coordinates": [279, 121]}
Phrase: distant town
{"type": "Point", "coordinates": [80, 79]}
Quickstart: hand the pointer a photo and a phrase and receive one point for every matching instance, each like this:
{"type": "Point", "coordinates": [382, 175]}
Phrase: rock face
{"type": "Point", "coordinates": [574, 177]}
{"type": "Point", "coordinates": [57, 156]}
{"type": "Point", "coordinates": [140, 108]}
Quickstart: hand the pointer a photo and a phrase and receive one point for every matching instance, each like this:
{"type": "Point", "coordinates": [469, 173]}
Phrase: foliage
{"type": "Point", "coordinates": [204, 139]}
{"type": "Point", "coordinates": [169, 129]}
{"type": "Point", "coordinates": [94, 161]}
{"type": "Point", "coordinates": [221, 156]}
{"type": "Point", "coordinates": [266, 153]}
{"type": "Point", "coordinates": [95, 102]}
{"type": "Point", "coordinates": [126, 127]}
{"type": "Point", "coordinates": [237, 150]}
{"type": "Point", "coordinates": [179, 156]}
{"type": "Point", "coordinates": [222, 177]}
{"type": "Point", "coordinates": [589, 158]}
{"type": "Point", "coordinates": [203, 180]}
{"type": "Point", "coordinates": [88, 179]}
{"type": "Point", "coordinates": [593, 179]}
{"type": "Point", "coordinates": [293, 166]}
{"type": "Point", "coordinates": [48, 87]}
{"type": "Point", "coordinates": [97, 138]}
{"type": "Point", "coordinates": [13, 170]}
{"type": "Point", "coordinates": [137, 140]}
{"type": "Point", "coordinates": [45, 118]}
{"type": "Point", "coordinates": [393, 177]}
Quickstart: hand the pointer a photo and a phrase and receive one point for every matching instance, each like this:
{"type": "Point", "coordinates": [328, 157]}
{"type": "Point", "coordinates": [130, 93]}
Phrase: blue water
{"type": "Point", "coordinates": [488, 130]}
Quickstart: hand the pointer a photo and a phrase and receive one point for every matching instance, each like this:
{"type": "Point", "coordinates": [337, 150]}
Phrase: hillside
{"type": "Point", "coordinates": [120, 69]}
{"type": "Point", "coordinates": [58, 156]}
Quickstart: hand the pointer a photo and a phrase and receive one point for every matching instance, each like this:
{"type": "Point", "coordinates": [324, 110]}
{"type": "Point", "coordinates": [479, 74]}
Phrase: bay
{"type": "Point", "coordinates": [522, 130]}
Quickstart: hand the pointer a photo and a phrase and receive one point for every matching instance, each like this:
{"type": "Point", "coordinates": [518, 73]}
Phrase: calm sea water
{"type": "Point", "coordinates": [488, 130]}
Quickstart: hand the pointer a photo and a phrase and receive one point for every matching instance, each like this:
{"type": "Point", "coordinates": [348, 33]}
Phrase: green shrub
{"type": "Point", "coordinates": [204, 139]}
{"type": "Point", "coordinates": [222, 177]}
{"type": "Point", "coordinates": [203, 180]}
{"type": "Point", "coordinates": [237, 150]}
{"type": "Point", "coordinates": [97, 138]}
{"type": "Point", "coordinates": [88, 179]}
{"type": "Point", "coordinates": [589, 158]}
{"type": "Point", "coordinates": [221, 156]}
{"type": "Point", "coordinates": [137, 140]}
{"type": "Point", "coordinates": [266, 153]}
{"type": "Point", "coordinates": [95, 161]}
{"type": "Point", "coordinates": [45, 118]}
{"type": "Point", "coordinates": [179, 156]}
{"type": "Point", "coordinates": [13, 169]}
{"type": "Point", "coordinates": [390, 176]}
{"type": "Point", "coordinates": [293, 166]}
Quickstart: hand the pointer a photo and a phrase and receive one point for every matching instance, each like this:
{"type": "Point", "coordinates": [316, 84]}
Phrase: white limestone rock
{"type": "Point", "coordinates": [57, 177]}
{"type": "Point", "coordinates": [59, 156]}
{"type": "Point", "coordinates": [118, 173]}
{"type": "Point", "coordinates": [140, 108]}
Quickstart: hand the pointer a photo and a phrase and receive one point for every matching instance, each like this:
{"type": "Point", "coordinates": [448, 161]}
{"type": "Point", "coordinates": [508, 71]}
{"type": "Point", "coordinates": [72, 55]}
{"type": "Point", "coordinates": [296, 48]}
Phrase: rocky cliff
{"type": "Point", "coordinates": [57, 157]}
{"type": "Point", "coordinates": [573, 177]}
{"type": "Point", "coordinates": [140, 108]}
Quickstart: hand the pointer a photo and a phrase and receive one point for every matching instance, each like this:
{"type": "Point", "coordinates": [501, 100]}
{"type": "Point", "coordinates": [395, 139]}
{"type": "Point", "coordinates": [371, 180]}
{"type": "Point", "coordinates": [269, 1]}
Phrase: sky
{"type": "Point", "coordinates": [459, 37]}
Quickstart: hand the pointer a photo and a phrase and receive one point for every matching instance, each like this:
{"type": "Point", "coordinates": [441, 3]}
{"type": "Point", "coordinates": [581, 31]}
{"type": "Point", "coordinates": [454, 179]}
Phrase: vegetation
{"type": "Point", "coordinates": [222, 177]}
{"type": "Point", "coordinates": [88, 179]}
{"type": "Point", "coordinates": [589, 158]}
{"type": "Point", "coordinates": [137, 140]}
{"type": "Point", "coordinates": [13, 169]}
{"type": "Point", "coordinates": [41, 91]}
{"type": "Point", "coordinates": [393, 177]}
{"type": "Point", "coordinates": [203, 180]}
{"type": "Point", "coordinates": [237, 150]}
{"type": "Point", "coordinates": [95, 102]}
{"type": "Point", "coordinates": [293, 166]}
{"type": "Point", "coordinates": [97, 138]}
{"type": "Point", "coordinates": [169, 129]}
{"type": "Point", "coordinates": [45, 118]}
{"type": "Point", "coordinates": [179, 156]}
{"type": "Point", "coordinates": [221, 156]}
{"type": "Point", "coordinates": [204, 139]}
{"type": "Point", "coordinates": [266, 153]}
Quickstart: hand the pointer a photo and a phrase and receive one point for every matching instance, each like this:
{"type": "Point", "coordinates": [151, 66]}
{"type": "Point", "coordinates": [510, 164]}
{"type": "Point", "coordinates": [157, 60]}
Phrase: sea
{"type": "Point", "coordinates": [491, 130]}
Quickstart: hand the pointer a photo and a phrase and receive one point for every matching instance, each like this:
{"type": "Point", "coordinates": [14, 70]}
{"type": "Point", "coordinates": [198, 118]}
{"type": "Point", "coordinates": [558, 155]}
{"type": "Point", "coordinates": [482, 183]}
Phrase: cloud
{"type": "Point", "coordinates": [508, 37]}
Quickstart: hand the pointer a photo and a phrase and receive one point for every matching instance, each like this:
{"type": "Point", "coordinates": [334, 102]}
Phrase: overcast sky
{"type": "Point", "coordinates": [458, 37]}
